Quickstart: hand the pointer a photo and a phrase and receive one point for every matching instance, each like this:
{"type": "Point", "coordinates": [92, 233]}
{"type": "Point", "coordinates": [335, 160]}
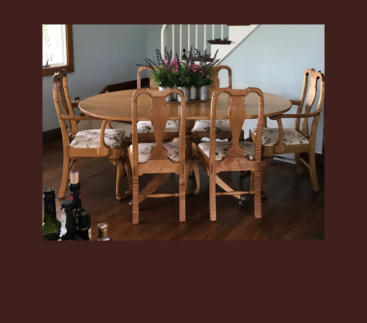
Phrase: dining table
{"type": "Point", "coordinates": [116, 106]}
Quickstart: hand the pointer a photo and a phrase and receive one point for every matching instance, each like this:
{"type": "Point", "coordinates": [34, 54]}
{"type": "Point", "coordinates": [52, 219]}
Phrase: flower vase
{"type": "Point", "coordinates": [204, 93]}
{"type": "Point", "coordinates": [171, 97]}
{"type": "Point", "coordinates": [186, 92]}
{"type": "Point", "coordinates": [194, 93]}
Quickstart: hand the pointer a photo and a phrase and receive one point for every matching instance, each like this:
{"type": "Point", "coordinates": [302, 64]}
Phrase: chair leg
{"type": "Point", "coordinates": [212, 196]}
{"type": "Point", "coordinates": [182, 194]}
{"type": "Point", "coordinates": [129, 177]}
{"type": "Point", "coordinates": [257, 195]}
{"type": "Point", "coordinates": [135, 206]}
{"type": "Point", "coordinates": [195, 166]}
{"type": "Point", "coordinates": [299, 166]}
{"type": "Point", "coordinates": [313, 173]}
{"type": "Point", "coordinates": [264, 184]}
{"type": "Point", "coordinates": [64, 176]}
{"type": "Point", "coordinates": [119, 171]}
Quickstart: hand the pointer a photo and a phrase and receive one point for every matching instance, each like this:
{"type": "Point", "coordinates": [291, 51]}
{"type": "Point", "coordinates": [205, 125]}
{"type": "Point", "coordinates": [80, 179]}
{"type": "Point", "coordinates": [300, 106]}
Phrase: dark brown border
{"type": "Point", "coordinates": [69, 67]}
{"type": "Point", "coordinates": [287, 281]}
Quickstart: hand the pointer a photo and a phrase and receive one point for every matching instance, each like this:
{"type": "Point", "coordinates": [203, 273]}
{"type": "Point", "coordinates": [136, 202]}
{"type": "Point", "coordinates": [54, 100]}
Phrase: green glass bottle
{"type": "Point", "coordinates": [50, 225]}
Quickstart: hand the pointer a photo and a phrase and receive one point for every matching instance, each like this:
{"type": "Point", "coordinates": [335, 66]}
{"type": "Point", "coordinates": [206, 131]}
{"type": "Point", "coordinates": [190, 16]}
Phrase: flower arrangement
{"type": "Point", "coordinates": [171, 72]}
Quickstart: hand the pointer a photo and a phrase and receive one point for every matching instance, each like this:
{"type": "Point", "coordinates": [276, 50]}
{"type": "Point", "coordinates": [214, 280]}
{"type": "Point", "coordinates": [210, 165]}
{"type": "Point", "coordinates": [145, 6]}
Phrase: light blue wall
{"type": "Point", "coordinates": [103, 54]}
{"type": "Point", "coordinates": [274, 58]}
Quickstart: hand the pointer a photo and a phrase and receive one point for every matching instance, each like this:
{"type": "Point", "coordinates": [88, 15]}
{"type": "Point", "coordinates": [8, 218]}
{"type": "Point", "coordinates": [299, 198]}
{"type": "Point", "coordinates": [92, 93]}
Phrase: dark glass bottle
{"type": "Point", "coordinates": [50, 225]}
{"type": "Point", "coordinates": [103, 232]}
{"type": "Point", "coordinates": [82, 220]}
{"type": "Point", "coordinates": [184, 56]}
{"type": "Point", "coordinates": [69, 232]}
{"type": "Point", "coordinates": [74, 187]}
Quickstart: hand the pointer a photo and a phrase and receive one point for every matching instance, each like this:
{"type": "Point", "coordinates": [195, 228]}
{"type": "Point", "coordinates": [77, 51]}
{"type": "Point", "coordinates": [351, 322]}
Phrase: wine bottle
{"type": "Point", "coordinates": [82, 220]}
{"type": "Point", "coordinates": [50, 225]}
{"type": "Point", "coordinates": [68, 229]}
{"type": "Point", "coordinates": [103, 232]}
{"type": "Point", "coordinates": [184, 56]}
{"type": "Point", "coordinates": [74, 187]}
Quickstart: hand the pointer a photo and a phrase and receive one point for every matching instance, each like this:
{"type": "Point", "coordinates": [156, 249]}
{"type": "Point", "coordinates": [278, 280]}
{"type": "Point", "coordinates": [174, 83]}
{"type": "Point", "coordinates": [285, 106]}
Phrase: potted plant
{"type": "Point", "coordinates": [183, 81]}
{"type": "Point", "coordinates": [164, 72]}
{"type": "Point", "coordinates": [204, 82]}
{"type": "Point", "coordinates": [195, 77]}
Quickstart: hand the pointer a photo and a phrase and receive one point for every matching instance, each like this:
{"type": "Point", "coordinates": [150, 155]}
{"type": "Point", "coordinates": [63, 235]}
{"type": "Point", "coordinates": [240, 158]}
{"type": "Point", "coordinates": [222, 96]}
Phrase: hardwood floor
{"type": "Point", "coordinates": [292, 211]}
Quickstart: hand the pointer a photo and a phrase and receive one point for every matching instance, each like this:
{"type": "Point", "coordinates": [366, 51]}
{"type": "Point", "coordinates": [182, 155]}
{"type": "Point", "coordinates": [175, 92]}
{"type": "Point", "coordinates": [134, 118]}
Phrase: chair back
{"type": "Point", "coordinates": [215, 77]}
{"type": "Point", "coordinates": [152, 84]}
{"type": "Point", "coordinates": [63, 105]}
{"type": "Point", "coordinates": [237, 114]}
{"type": "Point", "coordinates": [158, 115]}
{"type": "Point", "coordinates": [313, 85]}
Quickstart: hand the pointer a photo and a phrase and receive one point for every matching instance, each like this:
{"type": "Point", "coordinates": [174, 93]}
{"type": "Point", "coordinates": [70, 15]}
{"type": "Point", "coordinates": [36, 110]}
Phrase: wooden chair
{"type": "Point", "coordinates": [158, 157]}
{"type": "Point", "coordinates": [201, 127]}
{"type": "Point", "coordinates": [145, 128]}
{"type": "Point", "coordinates": [102, 142]}
{"type": "Point", "coordinates": [234, 155]}
{"type": "Point", "coordinates": [300, 139]}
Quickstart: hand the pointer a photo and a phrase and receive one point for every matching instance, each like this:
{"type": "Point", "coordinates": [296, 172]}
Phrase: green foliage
{"type": "Point", "coordinates": [204, 78]}
{"type": "Point", "coordinates": [163, 77]}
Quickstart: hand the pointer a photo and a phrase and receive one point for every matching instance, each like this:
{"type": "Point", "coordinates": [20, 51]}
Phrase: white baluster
{"type": "Point", "coordinates": [222, 32]}
{"type": "Point", "coordinates": [163, 38]}
{"type": "Point", "coordinates": [204, 38]}
{"type": "Point", "coordinates": [196, 36]}
{"type": "Point", "coordinates": [213, 32]}
{"type": "Point", "coordinates": [188, 36]}
{"type": "Point", "coordinates": [180, 53]}
{"type": "Point", "coordinates": [173, 40]}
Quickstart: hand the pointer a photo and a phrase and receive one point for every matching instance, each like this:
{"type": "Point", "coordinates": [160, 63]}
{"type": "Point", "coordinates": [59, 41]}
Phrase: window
{"type": "Point", "coordinates": [57, 49]}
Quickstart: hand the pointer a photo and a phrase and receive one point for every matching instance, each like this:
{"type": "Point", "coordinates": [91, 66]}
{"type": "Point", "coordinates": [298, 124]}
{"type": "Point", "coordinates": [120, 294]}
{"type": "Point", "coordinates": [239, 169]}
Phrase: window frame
{"type": "Point", "coordinates": [69, 67]}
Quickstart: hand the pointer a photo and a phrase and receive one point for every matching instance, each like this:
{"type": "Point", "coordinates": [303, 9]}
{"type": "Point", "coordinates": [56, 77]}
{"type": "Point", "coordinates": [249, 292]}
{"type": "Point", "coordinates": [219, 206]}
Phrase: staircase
{"type": "Point", "coordinates": [236, 34]}
{"type": "Point", "coordinates": [179, 37]}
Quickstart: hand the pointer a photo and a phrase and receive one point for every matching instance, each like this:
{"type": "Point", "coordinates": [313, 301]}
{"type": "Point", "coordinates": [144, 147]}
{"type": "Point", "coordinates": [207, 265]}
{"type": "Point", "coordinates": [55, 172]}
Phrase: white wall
{"type": "Point", "coordinates": [274, 58]}
{"type": "Point", "coordinates": [103, 54]}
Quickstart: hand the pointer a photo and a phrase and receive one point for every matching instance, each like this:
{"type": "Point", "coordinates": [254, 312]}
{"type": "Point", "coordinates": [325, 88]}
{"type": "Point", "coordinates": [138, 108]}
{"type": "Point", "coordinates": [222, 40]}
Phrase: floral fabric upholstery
{"type": "Point", "coordinates": [144, 150]}
{"type": "Point", "coordinates": [221, 148]}
{"type": "Point", "coordinates": [291, 137]}
{"type": "Point", "coordinates": [204, 126]}
{"type": "Point", "coordinates": [90, 138]}
{"type": "Point", "coordinates": [147, 127]}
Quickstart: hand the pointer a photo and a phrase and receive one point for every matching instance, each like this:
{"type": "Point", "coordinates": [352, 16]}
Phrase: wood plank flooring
{"type": "Point", "coordinates": [292, 210]}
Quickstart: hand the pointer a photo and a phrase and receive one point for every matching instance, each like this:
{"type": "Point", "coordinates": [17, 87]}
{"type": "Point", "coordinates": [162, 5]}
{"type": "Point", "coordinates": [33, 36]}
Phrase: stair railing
{"type": "Point", "coordinates": [191, 39]}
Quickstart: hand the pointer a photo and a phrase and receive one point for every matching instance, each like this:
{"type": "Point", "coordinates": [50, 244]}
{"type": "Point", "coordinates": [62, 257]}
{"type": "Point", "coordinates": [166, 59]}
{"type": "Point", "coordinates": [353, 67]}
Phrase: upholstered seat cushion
{"type": "Point", "coordinates": [144, 150]}
{"type": "Point", "coordinates": [147, 127]}
{"type": "Point", "coordinates": [90, 138]}
{"type": "Point", "coordinates": [291, 137]}
{"type": "Point", "coordinates": [204, 126]}
{"type": "Point", "coordinates": [221, 148]}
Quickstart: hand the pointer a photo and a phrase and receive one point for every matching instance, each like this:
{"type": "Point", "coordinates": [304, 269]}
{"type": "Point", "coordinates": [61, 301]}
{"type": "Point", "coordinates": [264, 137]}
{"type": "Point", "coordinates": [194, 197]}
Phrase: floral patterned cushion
{"type": "Point", "coordinates": [90, 138]}
{"type": "Point", "coordinates": [146, 148]}
{"type": "Point", "coordinates": [204, 126]}
{"type": "Point", "coordinates": [291, 137]}
{"type": "Point", "coordinates": [147, 127]}
{"type": "Point", "coordinates": [221, 148]}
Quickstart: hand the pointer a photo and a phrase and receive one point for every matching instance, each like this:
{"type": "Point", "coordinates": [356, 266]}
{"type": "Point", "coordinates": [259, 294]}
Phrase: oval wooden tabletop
{"type": "Point", "coordinates": [117, 106]}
